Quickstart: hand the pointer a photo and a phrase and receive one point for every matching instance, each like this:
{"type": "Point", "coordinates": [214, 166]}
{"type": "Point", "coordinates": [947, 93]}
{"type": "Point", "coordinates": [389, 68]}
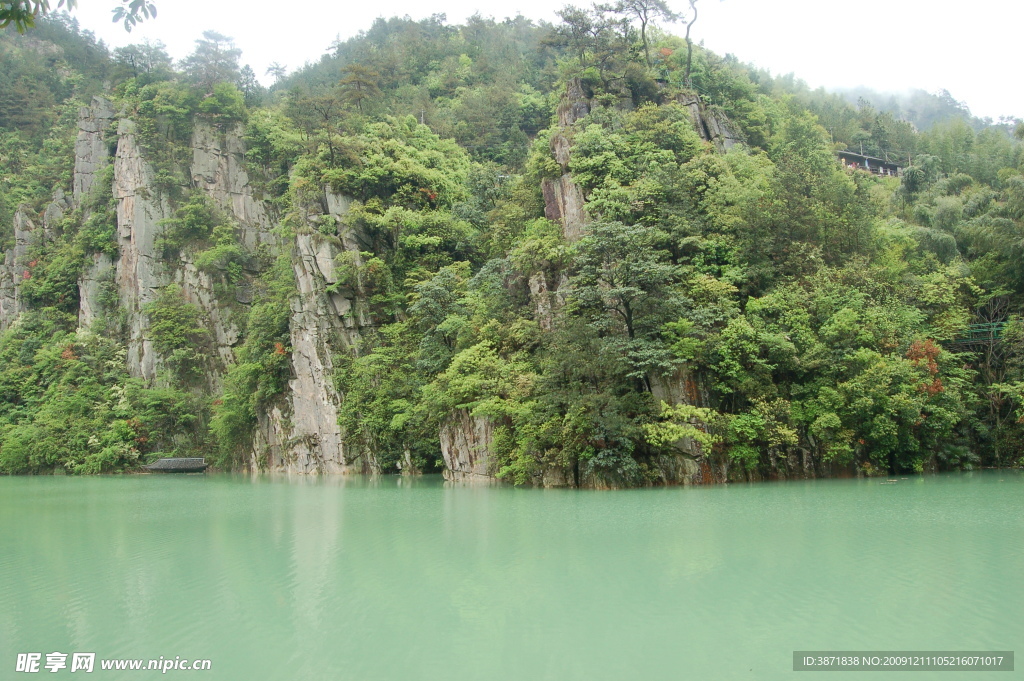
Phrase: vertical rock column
{"type": "Point", "coordinates": [16, 267]}
{"type": "Point", "coordinates": [563, 199]}
{"type": "Point", "coordinates": [91, 156]}
{"type": "Point", "coordinates": [91, 152]}
{"type": "Point", "coordinates": [218, 168]}
{"type": "Point", "coordinates": [711, 124]}
{"type": "Point", "coordinates": [301, 434]}
{"type": "Point", "coordinates": [139, 273]}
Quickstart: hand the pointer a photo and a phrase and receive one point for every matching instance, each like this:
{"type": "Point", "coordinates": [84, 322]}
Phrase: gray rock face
{"type": "Point", "coordinates": [574, 104]}
{"type": "Point", "coordinates": [16, 267]}
{"type": "Point", "coordinates": [54, 213]}
{"type": "Point", "coordinates": [563, 199]}
{"type": "Point", "coordinates": [90, 289]}
{"type": "Point", "coordinates": [564, 202]}
{"type": "Point", "coordinates": [198, 288]}
{"type": "Point", "coordinates": [140, 269]}
{"type": "Point", "coordinates": [302, 434]}
{"type": "Point", "coordinates": [26, 236]}
{"type": "Point", "coordinates": [543, 301]}
{"type": "Point", "coordinates": [140, 273]}
{"type": "Point", "coordinates": [91, 152]}
{"type": "Point", "coordinates": [711, 124]}
{"type": "Point", "coordinates": [681, 387]}
{"type": "Point", "coordinates": [466, 447]}
{"type": "Point", "coordinates": [91, 155]}
{"type": "Point", "coordinates": [218, 167]}
{"type": "Point", "coordinates": [9, 308]}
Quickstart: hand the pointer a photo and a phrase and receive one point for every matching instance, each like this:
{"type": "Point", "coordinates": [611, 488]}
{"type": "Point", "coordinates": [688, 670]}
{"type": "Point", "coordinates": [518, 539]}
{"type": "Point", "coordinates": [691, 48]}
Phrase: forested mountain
{"type": "Point", "coordinates": [566, 254]}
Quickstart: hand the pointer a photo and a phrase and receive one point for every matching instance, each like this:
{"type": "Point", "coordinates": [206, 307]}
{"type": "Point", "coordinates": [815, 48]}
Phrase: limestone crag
{"type": "Point", "coordinates": [95, 275]}
{"type": "Point", "coordinates": [198, 288]}
{"type": "Point", "coordinates": [466, 442]}
{"type": "Point", "coordinates": [91, 154]}
{"type": "Point", "coordinates": [26, 236]}
{"type": "Point", "coordinates": [218, 168]}
{"type": "Point", "coordinates": [329, 317]}
{"type": "Point", "coordinates": [310, 440]}
{"type": "Point", "coordinates": [563, 199]}
{"type": "Point", "coordinates": [563, 202]}
{"type": "Point", "coordinates": [54, 213]}
{"type": "Point", "coordinates": [711, 124]}
{"type": "Point", "coordinates": [91, 149]}
{"type": "Point", "coordinates": [681, 387]}
{"type": "Point", "coordinates": [301, 434]}
{"type": "Point", "coordinates": [16, 266]}
{"type": "Point", "coordinates": [543, 300]}
{"type": "Point", "coordinates": [139, 271]}
{"type": "Point", "coordinates": [9, 308]}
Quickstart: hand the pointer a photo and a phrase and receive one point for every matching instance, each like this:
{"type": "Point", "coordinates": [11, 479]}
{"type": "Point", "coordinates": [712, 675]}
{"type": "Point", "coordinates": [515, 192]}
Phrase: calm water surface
{"type": "Point", "coordinates": [396, 579]}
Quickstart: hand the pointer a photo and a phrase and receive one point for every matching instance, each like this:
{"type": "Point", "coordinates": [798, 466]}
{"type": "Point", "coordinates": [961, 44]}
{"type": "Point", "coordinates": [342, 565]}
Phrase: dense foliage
{"type": "Point", "coordinates": [813, 313]}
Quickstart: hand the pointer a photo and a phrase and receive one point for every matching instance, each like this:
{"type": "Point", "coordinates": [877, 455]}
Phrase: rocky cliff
{"type": "Point", "coordinates": [710, 123]}
{"type": "Point", "coordinates": [467, 440]}
{"type": "Point", "coordinates": [299, 432]}
{"type": "Point", "coordinates": [563, 199]}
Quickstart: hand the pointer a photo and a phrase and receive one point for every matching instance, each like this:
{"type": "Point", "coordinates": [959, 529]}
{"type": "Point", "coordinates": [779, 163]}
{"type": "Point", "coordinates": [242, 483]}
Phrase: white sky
{"type": "Point", "coordinates": [967, 48]}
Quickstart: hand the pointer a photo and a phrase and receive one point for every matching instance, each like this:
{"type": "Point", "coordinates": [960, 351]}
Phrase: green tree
{"type": "Point", "coordinates": [148, 62]}
{"type": "Point", "coordinates": [623, 281]}
{"type": "Point", "coordinates": [215, 60]}
{"type": "Point", "coordinates": [23, 13]}
{"type": "Point", "coordinates": [179, 334]}
{"type": "Point", "coordinates": [276, 70]}
{"type": "Point", "coordinates": [358, 84]}
{"type": "Point", "coordinates": [646, 12]}
{"type": "Point", "coordinates": [251, 89]}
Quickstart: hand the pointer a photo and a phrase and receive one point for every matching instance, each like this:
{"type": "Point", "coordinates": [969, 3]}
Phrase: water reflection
{"type": "Point", "coordinates": [392, 578]}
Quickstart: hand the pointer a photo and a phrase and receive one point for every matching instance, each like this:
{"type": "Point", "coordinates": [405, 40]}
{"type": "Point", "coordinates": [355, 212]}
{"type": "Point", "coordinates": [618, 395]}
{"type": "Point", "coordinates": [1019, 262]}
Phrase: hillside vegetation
{"type": "Point", "coordinates": [746, 295]}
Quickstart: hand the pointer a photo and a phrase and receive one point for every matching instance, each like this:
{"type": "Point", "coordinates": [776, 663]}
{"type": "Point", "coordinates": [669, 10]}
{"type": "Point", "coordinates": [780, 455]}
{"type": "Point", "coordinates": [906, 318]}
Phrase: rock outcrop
{"type": "Point", "coordinates": [563, 202]}
{"type": "Point", "coordinates": [466, 440]}
{"type": "Point", "coordinates": [301, 434]}
{"type": "Point", "coordinates": [54, 214]}
{"type": "Point", "coordinates": [563, 199]}
{"type": "Point", "coordinates": [16, 266]}
{"type": "Point", "coordinates": [329, 317]}
{"type": "Point", "coordinates": [91, 149]}
{"type": "Point", "coordinates": [96, 274]}
{"type": "Point", "coordinates": [711, 124]}
{"type": "Point", "coordinates": [9, 308]}
{"type": "Point", "coordinates": [91, 155]}
{"type": "Point", "coordinates": [139, 271]}
{"type": "Point", "coordinates": [466, 447]}
{"type": "Point", "coordinates": [218, 168]}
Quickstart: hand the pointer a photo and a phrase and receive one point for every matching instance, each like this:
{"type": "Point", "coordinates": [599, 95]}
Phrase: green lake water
{"type": "Point", "coordinates": [391, 578]}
